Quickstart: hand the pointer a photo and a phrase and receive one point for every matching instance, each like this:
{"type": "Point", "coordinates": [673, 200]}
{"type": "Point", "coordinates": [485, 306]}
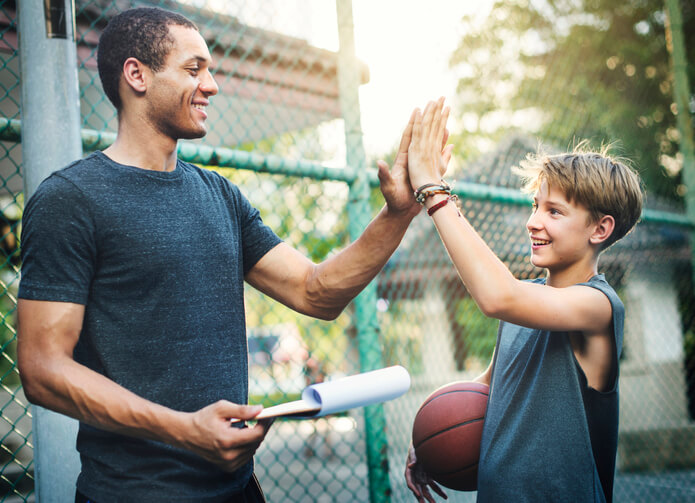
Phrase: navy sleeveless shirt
{"type": "Point", "coordinates": [548, 436]}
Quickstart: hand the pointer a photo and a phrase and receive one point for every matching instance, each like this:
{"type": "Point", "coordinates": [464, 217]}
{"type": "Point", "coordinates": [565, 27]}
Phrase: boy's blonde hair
{"type": "Point", "coordinates": [603, 184]}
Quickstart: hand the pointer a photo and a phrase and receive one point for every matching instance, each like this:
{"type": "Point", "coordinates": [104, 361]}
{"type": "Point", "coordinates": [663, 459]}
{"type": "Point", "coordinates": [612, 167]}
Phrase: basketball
{"type": "Point", "coordinates": [447, 431]}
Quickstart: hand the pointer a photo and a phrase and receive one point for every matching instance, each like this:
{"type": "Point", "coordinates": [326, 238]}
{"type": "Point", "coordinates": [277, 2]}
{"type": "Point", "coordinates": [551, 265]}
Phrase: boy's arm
{"type": "Point", "coordinates": [48, 333]}
{"type": "Point", "coordinates": [486, 376]}
{"type": "Point", "coordinates": [495, 290]}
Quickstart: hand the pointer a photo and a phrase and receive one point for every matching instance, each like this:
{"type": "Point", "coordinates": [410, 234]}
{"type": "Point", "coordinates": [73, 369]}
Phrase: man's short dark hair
{"type": "Point", "coordinates": [141, 33]}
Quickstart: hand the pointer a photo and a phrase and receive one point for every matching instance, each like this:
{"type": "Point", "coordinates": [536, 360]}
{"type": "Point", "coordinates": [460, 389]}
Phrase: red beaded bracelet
{"type": "Point", "coordinates": [440, 204]}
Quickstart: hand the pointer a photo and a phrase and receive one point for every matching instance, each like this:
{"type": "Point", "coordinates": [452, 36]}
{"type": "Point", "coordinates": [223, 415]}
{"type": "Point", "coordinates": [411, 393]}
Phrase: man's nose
{"type": "Point", "coordinates": [208, 84]}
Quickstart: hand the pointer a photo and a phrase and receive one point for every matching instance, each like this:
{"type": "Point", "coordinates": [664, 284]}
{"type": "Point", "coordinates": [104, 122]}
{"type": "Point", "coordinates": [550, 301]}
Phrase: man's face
{"type": "Point", "coordinates": [180, 91]}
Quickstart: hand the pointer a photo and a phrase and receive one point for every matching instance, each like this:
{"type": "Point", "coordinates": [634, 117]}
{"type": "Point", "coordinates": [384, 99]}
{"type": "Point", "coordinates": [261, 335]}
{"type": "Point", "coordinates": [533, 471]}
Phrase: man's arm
{"type": "Point", "coordinates": [48, 333]}
{"type": "Point", "coordinates": [323, 290]}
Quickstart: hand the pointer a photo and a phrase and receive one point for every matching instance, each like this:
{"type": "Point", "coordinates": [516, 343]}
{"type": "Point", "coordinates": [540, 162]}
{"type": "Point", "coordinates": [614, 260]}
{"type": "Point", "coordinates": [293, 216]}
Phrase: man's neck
{"type": "Point", "coordinates": [139, 144]}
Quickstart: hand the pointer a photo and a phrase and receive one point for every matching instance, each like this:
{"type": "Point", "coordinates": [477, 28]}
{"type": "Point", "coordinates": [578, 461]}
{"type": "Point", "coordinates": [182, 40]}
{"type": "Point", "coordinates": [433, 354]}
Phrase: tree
{"type": "Point", "coordinates": [565, 70]}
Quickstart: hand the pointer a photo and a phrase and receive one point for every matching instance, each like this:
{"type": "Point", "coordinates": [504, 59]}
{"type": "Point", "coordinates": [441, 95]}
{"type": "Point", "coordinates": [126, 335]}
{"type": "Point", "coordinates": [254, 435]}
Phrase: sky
{"type": "Point", "coordinates": [406, 44]}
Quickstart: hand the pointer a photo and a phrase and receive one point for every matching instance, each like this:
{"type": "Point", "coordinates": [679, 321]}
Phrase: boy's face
{"type": "Point", "coordinates": [180, 91]}
{"type": "Point", "coordinates": [559, 231]}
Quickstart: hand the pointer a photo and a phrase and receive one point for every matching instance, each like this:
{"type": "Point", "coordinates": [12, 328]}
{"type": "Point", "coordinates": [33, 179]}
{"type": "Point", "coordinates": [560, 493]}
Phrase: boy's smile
{"type": "Point", "coordinates": [559, 231]}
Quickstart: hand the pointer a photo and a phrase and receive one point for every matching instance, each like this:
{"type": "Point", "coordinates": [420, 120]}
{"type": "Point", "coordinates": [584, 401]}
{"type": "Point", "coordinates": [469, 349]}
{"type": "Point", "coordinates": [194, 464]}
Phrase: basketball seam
{"type": "Point", "coordinates": [440, 474]}
{"type": "Point", "coordinates": [447, 429]}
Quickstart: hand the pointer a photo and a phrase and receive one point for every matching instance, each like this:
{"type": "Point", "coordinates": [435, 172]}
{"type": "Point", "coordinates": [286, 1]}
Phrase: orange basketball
{"type": "Point", "coordinates": [447, 431]}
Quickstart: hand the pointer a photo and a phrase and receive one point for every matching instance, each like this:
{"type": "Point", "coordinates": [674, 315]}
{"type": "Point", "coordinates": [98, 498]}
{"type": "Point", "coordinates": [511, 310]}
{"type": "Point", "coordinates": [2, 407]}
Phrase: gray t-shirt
{"type": "Point", "coordinates": [548, 436]}
{"type": "Point", "coordinates": [158, 259]}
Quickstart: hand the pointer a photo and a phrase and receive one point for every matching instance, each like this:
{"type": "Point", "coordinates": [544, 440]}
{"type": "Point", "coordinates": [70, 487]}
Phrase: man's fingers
{"type": "Point", "coordinates": [407, 133]}
{"type": "Point", "coordinates": [233, 410]}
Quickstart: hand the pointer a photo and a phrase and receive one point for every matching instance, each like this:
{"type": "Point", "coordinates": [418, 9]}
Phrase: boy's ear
{"type": "Point", "coordinates": [135, 75]}
{"type": "Point", "coordinates": [603, 229]}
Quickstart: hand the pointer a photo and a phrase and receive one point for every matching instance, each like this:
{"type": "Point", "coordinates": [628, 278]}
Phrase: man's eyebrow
{"type": "Point", "coordinates": [198, 59]}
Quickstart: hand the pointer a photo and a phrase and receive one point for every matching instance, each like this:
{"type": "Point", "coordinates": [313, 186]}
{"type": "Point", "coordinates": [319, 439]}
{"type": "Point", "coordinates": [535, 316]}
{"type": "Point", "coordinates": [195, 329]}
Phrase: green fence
{"type": "Point", "coordinates": [286, 129]}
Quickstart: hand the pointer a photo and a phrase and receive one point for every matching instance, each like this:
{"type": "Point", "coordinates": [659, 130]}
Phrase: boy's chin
{"type": "Point", "coordinates": [537, 262]}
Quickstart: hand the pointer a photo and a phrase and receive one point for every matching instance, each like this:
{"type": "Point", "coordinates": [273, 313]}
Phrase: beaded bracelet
{"type": "Point", "coordinates": [431, 189]}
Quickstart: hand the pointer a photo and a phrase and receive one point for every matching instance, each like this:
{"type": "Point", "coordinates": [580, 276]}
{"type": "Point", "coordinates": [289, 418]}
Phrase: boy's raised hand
{"type": "Point", "coordinates": [428, 158]}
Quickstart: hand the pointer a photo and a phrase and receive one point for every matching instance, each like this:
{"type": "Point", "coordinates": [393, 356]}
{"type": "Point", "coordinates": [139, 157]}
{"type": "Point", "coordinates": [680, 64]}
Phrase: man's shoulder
{"type": "Point", "coordinates": [210, 178]}
{"type": "Point", "coordinates": [76, 173]}
{"type": "Point", "coordinates": [83, 166]}
{"type": "Point", "coordinates": [66, 179]}
{"type": "Point", "coordinates": [204, 173]}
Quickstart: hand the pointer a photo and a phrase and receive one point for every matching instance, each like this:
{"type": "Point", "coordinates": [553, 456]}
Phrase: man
{"type": "Point", "coordinates": [131, 314]}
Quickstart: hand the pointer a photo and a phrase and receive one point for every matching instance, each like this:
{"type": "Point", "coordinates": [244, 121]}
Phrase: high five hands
{"type": "Point", "coordinates": [428, 154]}
{"type": "Point", "coordinates": [423, 145]}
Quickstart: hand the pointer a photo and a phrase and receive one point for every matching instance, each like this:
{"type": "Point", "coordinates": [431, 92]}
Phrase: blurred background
{"type": "Point", "coordinates": [312, 93]}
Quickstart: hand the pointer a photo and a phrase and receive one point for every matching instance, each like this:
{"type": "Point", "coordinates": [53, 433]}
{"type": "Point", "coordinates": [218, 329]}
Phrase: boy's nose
{"type": "Point", "coordinates": [532, 222]}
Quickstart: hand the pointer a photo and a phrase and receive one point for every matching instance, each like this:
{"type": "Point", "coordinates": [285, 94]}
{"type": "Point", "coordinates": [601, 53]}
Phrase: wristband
{"type": "Point", "coordinates": [440, 204]}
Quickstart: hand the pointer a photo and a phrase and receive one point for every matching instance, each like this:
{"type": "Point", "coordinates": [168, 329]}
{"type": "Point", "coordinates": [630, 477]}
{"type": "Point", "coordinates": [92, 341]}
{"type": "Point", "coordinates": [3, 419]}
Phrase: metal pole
{"type": "Point", "coordinates": [681, 95]}
{"type": "Point", "coordinates": [359, 215]}
{"type": "Point", "coordinates": [50, 140]}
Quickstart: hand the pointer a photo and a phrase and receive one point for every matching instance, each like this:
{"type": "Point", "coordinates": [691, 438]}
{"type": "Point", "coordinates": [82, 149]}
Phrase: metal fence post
{"type": "Point", "coordinates": [359, 215]}
{"type": "Point", "coordinates": [681, 95]}
{"type": "Point", "coordinates": [50, 110]}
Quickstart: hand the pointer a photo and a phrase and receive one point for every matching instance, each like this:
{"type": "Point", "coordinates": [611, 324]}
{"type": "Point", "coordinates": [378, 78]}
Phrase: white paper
{"type": "Point", "coordinates": [345, 393]}
{"type": "Point", "coordinates": [357, 390]}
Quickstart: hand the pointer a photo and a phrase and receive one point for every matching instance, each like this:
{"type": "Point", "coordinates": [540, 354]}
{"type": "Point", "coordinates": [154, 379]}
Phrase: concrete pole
{"type": "Point", "coordinates": [50, 112]}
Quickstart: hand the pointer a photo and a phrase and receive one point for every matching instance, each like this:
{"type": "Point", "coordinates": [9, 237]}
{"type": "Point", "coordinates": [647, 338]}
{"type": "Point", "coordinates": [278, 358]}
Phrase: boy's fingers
{"type": "Point", "coordinates": [417, 125]}
{"type": "Point", "coordinates": [436, 122]}
{"type": "Point", "coordinates": [441, 131]}
{"type": "Point", "coordinates": [427, 121]}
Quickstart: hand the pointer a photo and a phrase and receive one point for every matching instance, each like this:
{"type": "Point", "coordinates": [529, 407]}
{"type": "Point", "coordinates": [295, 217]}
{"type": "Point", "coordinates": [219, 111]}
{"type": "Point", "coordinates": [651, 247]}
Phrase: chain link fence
{"type": "Point", "coordinates": [584, 70]}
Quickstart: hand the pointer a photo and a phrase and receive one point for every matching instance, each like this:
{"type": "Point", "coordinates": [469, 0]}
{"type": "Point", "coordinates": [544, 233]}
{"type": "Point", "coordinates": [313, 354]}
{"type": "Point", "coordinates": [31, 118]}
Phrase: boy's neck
{"type": "Point", "coordinates": [578, 273]}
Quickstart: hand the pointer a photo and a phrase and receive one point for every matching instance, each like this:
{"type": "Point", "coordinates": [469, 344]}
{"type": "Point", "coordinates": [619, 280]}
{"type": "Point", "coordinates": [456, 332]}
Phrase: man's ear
{"type": "Point", "coordinates": [135, 75]}
{"type": "Point", "coordinates": [602, 229]}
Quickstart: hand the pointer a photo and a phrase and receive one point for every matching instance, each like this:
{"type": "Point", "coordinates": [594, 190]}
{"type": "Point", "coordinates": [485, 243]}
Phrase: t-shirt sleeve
{"type": "Point", "coordinates": [58, 245]}
{"type": "Point", "coordinates": [257, 238]}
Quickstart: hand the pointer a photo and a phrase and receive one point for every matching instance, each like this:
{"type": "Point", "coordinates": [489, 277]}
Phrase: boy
{"type": "Point", "coordinates": [551, 427]}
